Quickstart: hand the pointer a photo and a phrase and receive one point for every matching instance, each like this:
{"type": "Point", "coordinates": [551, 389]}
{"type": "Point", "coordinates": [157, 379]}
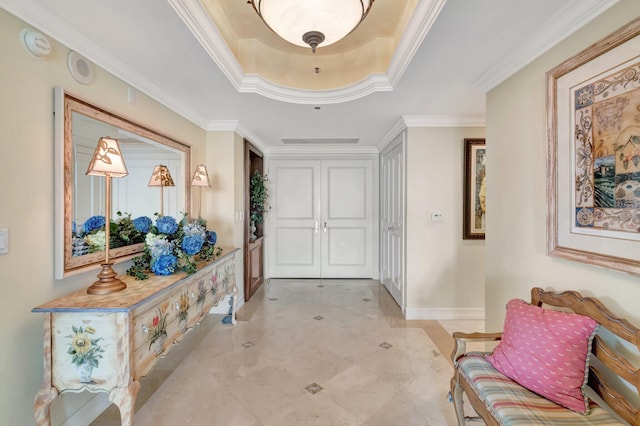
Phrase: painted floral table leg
{"type": "Point", "coordinates": [234, 295]}
{"type": "Point", "coordinates": [47, 393]}
{"type": "Point", "coordinates": [42, 403]}
{"type": "Point", "coordinates": [125, 399]}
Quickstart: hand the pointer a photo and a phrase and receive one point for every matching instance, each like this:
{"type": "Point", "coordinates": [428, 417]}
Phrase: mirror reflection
{"type": "Point", "coordinates": [132, 197]}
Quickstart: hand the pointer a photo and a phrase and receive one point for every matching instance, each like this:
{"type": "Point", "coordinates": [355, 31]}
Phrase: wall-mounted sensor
{"type": "Point", "coordinates": [34, 43]}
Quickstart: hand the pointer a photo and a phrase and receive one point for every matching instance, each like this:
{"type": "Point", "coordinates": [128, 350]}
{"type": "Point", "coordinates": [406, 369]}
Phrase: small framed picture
{"type": "Point", "coordinates": [474, 189]}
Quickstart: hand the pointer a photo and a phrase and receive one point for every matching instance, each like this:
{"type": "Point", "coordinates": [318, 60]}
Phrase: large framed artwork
{"type": "Point", "coordinates": [474, 189]}
{"type": "Point", "coordinates": [593, 154]}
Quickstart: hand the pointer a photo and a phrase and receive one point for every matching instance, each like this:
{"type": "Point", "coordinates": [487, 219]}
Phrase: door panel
{"type": "Point", "coordinates": [295, 247]}
{"type": "Point", "coordinates": [295, 195]}
{"type": "Point", "coordinates": [341, 242]}
{"type": "Point", "coordinates": [346, 196]}
{"type": "Point", "coordinates": [294, 219]}
{"type": "Point", "coordinates": [392, 221]}
{"type": "Point", "coordinates": [347, 211]}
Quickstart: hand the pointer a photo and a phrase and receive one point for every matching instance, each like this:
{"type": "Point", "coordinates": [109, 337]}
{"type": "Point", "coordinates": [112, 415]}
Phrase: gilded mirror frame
{"type": "Point", "coordinates": [65, 105]}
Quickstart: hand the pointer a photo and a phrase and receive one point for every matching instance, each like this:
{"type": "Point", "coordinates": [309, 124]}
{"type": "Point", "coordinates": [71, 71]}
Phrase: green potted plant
{"type": "Point", "coordinates": [258, 205]}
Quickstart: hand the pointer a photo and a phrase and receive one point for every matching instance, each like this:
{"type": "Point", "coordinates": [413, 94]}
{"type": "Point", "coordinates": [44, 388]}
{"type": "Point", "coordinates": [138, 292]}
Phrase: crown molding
{"type": "Point", "coordinates": [222, 126]}
{"type": "Point", "coordinates": [237, 127]}
{"type": "Point", "coordinates": [419, 25]}
{"type": "Point", "coordinates": [37, 16]}
{"type": "Point", "coordinates": [198, 21]}
{"type": "Point", "coordinates": [415, 121]}
{"type": "Point", "coordinates": [444, 120]}
{"type": "Point", "coordinates": [399, 127]}
{"type": "Point", "coordinates": [565, 22]}
{"type": "Point", "coordinates": [325, 150]}
{"type": "Point", "coordinates": [253, 83]}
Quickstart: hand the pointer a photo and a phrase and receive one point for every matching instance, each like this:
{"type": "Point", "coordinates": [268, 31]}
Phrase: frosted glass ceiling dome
{"type": "Point", "coordinates": [312, 22]}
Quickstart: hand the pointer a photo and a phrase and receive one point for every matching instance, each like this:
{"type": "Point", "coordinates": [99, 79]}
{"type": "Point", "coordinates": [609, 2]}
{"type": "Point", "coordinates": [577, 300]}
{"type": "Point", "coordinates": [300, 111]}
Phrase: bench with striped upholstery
{"type": "Point", "coordinates": [500, 401]}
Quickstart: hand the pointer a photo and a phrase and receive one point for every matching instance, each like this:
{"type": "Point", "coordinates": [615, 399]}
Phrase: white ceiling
{"type": "Point", "coordinates": [472, 46]}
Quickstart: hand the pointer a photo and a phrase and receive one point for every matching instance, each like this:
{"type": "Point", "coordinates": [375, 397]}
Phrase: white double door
{"type": "Point", "coordinates": [321, 223]}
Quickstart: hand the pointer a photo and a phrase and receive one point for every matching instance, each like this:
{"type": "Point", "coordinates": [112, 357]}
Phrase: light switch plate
{"type": "Point", "coordinates": [4, 240]}
{"type": "Point", "coordinates": [437, 216]}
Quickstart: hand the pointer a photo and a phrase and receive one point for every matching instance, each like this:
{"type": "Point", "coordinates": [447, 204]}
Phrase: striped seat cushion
{"type": "Point", "coordinates": [512, 404]}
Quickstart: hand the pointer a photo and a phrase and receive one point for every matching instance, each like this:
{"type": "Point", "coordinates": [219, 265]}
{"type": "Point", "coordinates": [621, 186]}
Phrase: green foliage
{"type": "Point", "coordinates": [123, 232]}
{"type": "Point", "coordinates": [258, 195]}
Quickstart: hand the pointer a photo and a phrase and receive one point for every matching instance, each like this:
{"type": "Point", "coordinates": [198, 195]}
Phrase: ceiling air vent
{"type": "Point", "coordinates": [335, 141]}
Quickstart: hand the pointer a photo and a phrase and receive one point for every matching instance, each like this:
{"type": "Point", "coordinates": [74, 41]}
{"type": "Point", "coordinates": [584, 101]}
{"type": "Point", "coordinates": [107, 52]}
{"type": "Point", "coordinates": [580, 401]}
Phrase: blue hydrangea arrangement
{"type": "Point", "coordinates": [123, 231]}
{"type": "Point", "coordinates": [172, 246]}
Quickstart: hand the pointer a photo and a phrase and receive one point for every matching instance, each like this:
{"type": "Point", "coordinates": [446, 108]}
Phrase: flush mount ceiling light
{"type": "Point", "coordinates": [312, 22]}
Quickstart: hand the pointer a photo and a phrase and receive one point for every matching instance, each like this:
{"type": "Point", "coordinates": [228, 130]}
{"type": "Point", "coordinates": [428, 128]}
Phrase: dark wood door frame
{"type": "Point", "coordinates": [253, 250]}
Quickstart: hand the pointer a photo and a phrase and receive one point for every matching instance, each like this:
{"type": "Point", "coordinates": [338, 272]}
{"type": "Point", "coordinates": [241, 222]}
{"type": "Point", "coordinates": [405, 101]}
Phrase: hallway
{"type": "Point", "coordinates": [305, 352]}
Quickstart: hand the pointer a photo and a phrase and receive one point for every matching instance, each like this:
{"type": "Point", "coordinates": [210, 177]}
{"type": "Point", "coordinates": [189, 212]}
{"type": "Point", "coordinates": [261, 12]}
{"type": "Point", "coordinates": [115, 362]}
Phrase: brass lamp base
{"type": "Point", "coordinates": [107, 281]}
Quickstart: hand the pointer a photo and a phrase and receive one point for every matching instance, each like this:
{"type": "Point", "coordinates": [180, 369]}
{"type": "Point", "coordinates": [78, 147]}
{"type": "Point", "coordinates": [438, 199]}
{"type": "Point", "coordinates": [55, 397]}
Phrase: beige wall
{"type": "Point", "coordinates": [27, 200]}
{"type": "Point", "coordinates": [516, 184]}
{"type": "Point", "coordinates": [445, 274]}
{"type": "Point", "coordinates": [224, 201]}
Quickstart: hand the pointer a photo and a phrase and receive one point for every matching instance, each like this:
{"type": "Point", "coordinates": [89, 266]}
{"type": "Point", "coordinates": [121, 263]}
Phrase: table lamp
{"type": "Point", "coordinates": [161, 177]}
{"type": "Point", "coordinates": [107, 161]}
{"type": "Point", "coordinates": [200, 179]}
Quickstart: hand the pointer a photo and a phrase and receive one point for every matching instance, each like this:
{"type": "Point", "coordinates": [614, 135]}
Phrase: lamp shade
{"type": "Point", "coordinates": [107, 159]}
{"type": "Point", "coordinates": [300, 21]}
{"type": "Point", "coordinates": [201, 177]}
{"type": "Point", "coordinates": [161, 176]}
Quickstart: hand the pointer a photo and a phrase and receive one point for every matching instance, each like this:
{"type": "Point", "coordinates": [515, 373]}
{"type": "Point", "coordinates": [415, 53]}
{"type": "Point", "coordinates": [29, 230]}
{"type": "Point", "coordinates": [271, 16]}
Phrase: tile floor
{"type": "Point", "coordinates": [305, 352]}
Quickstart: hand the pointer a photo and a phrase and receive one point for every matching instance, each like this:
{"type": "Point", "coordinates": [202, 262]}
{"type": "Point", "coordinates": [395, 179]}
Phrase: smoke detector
{"type": "Point", "coordinates": [34, 43]}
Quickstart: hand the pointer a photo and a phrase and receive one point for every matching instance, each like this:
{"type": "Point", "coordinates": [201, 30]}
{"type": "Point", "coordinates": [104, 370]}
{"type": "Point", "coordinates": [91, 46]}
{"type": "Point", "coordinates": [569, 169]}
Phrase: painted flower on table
{"type": "Point", "coordinates": [183, 306]}
{"type": "Point", "coordinates": [84, 348]}
{"type": "Point", "coordinates": [157, 330]}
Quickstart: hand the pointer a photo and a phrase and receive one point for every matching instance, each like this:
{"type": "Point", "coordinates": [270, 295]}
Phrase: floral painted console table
{"type": "Point", "coordinates": [106, 343]}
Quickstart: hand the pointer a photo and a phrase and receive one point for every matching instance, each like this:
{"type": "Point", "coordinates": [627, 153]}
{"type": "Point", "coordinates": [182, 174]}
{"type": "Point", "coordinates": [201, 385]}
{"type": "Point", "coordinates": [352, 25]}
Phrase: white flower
{"type": "Point", "coordinates": [159, 245]}
{"type": "Point", "coordinates": [96, 241]}
{"type": "Point", "coordinates": [192, 229]}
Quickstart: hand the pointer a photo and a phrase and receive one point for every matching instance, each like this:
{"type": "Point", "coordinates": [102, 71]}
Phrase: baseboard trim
{"type": "Point", "coordinates": [440, 314]}
{"type": "Point", "coordinates": [89, 411]}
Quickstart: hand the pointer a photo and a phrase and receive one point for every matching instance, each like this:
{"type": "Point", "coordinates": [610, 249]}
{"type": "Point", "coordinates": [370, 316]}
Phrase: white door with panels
{"type": "Point", "coordinates": [392, 213]}
{"type": "Point", "coordinates": [322, 219]}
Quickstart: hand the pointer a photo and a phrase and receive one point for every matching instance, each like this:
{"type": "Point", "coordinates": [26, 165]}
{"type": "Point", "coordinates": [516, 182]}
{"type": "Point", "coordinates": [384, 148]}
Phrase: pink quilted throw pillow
{"type": "Point", "coordinates": [547, 352]}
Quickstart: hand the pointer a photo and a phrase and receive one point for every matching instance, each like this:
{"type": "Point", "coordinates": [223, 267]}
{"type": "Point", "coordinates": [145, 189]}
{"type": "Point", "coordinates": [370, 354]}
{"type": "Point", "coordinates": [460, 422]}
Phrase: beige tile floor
{"type": "Point", "coordinates": [305, 352]}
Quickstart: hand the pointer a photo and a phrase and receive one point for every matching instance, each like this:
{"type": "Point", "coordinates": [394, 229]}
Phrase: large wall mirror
{"type": "Point", "coordinates": [78, 127]}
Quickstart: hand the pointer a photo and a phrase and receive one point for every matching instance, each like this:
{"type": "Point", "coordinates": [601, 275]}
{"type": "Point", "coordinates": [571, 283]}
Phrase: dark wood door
{"type": "Point", "coordinates": [253, 248]}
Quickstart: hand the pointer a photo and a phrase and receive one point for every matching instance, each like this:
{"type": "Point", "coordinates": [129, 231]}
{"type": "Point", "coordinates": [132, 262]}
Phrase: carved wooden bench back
{"type": "Point", "coordinates": [609, 362]}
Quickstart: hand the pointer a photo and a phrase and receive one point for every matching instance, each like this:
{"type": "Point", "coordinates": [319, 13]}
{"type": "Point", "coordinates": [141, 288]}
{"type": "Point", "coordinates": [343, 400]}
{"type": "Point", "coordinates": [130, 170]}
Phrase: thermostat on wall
{"type": "Point", "coordinates": [35, 44]}
{"type": "Point", "coordinates": [80, 68]}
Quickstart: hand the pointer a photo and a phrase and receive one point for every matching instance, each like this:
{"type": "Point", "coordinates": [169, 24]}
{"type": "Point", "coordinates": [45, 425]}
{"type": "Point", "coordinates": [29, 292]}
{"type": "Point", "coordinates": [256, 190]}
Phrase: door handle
{"type": "Point", "coordinates": [324, 227]}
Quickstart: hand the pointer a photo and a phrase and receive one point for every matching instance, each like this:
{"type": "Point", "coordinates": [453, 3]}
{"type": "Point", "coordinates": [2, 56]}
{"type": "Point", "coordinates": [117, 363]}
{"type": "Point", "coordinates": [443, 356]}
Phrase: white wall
{"type": "Point", "coordinates": [445, 274]}
{"type": "Point", "coordinates": [516, 183]}
{"type": "Point", "coordinates": [26, 205]}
